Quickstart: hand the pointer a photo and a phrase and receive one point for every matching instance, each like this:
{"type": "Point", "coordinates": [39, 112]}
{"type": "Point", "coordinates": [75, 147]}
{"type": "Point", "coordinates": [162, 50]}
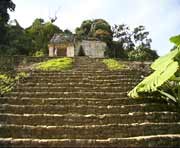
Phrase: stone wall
{"type": "Point", "coordinates": [51, 51]}
{"type": "Point", "coordinates": [93, 49]}
{"type": "Point", "coordinates": [70, 51]}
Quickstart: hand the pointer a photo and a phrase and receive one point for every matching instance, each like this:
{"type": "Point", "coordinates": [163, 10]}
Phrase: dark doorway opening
{"type": "Point", "coordinates": [62, 52]}
{"type": "Point", "coordinates": [81, 52]}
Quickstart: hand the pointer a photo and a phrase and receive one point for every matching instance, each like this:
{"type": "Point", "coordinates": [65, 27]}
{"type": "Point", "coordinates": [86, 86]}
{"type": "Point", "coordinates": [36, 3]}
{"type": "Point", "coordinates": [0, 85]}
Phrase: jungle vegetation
{"type": "Point", "coordinates": [33, 41]}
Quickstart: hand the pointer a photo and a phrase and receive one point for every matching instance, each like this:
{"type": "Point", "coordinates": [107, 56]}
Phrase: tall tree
{"type": "Point", "coordinates": [18, 41]}
{"type": "Point", "coordinates": [136, 43]}
{"type": "Point", "coordinates": [5, 5]}
{"type": "Point", "coordinates": [41, 32]}
{"type": "Point", "coordinates": [123, 34]}
{"type": "Point", "coordinates": [141, 37]}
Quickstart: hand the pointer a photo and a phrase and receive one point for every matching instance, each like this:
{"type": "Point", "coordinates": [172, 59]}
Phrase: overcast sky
{"type": "Point", "coordinates": [160, 17]}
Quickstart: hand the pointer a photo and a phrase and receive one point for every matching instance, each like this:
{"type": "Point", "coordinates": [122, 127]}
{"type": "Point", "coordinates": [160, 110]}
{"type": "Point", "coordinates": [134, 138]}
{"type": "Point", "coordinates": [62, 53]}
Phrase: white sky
{"type": "Point", "coordinates": [160, 17]}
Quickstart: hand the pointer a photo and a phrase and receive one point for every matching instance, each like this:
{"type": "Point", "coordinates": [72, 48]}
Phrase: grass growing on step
{"type": "Point", "coordinates": [7, 82]}
{"type": "Point", "coordinates": [113, 64]}
{"type": "Point", "coordinates": [56, 64]}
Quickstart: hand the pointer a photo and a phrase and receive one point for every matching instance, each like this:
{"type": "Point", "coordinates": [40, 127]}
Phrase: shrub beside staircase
{"type": "Point", "coordinates": [85, 107]}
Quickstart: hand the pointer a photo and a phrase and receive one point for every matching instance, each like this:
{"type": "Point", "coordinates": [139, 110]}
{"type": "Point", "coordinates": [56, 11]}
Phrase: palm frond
{"type": "Point", "coordinates": [162, 62]}
{"type": "Point", "coordinates": [156, 79]}
{"type": "Point", "coordinates": [175, 40]}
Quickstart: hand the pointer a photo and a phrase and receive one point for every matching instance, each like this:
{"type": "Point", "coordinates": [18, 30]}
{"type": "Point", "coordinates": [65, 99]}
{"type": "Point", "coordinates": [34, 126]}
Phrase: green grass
{"type": "Point", "coordinates": [55, 64]}
{"type": "Point", "coordinates": [113, 64]}
{"type": "Point", "coordinates": [7, 83]}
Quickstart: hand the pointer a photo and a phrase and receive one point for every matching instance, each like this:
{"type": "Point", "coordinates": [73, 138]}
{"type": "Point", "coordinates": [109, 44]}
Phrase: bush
{"type": "Point", "coordinates": [142, 55]}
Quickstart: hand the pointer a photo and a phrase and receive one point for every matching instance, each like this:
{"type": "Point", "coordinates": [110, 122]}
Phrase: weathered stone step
{"type": "Point", "coordinates": [91, 75]}
{"type": "Point", "coordinates": [88, 131]}
{"type": "Point", "coordinates": [76, 84]}
{"type": "Point", "coordinates": [84, 109]}
{"type": "Point", "coordinates": [84, 80]}
{"type": "Point", "coordinates": [75, 101]}
{"type": "Point", "coordinates": [91, 68]}
{"type": "Point", "coordinates": [56, 74]}
{"type": "Point", "coordinates": [84, 76]}
{"type": "Point", "coordinates": [73, 89]}
{"type": "Point", "coordinates": [68, 94]}
{"type": "Point", "coordinates": [102, 72]}
{"type": "Point", "coordinates": [164, 140]}
{"type": "Point", "coordinates": [91, 119]}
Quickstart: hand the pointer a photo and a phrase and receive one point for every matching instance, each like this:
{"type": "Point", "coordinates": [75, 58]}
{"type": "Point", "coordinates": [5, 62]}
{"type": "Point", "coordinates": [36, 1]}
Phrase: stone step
{"type": "Point", "coordinates": [76, 84]}
{"type": "Point", "coordinates": [76, 101]}
{"type": "Point", "coordinates": [68, 94]}
{"type": "Point", "coordinates": [85, 80]}
{"type": "Point", "coordinates": [73, 89]}
{"type": "Point", "coordinates": [91, 119]}
{"type": "Point", "coordinates": [85, 74]}
{"type": "Point", "coordinates": [83, 77]}
{"type": "Point", "coordinates": [84, 109]}
{"type": "Point", "coordinates": [88, 131]}
{"type": "Point", "coordinates": [92, 74]}
{"type": "Point", "coordinates": [164, 140]}
{"type": "Point", "coordinates": [101, 72]}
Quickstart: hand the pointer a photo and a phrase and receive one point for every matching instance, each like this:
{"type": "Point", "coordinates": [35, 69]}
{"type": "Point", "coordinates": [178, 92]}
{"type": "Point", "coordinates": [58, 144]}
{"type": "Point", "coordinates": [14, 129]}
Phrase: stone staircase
{"type": "Point", "coordinates": [85, 107]}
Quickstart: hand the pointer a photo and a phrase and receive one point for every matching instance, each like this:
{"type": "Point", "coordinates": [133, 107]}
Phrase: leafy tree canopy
{"type": "Point", "coordinates": [17, 41]}
{"type": "Point", "coordinates": [98, 28]}
{"type": "Point", "coordinates": [41, 32]}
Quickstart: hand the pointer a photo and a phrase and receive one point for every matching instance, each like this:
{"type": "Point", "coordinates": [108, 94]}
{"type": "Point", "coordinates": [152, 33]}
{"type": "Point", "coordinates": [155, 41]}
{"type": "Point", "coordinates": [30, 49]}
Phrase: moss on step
{"type": "Point", "coordinates": [113, 64]}
{"type": "Point", "coordinates": [55, 64]}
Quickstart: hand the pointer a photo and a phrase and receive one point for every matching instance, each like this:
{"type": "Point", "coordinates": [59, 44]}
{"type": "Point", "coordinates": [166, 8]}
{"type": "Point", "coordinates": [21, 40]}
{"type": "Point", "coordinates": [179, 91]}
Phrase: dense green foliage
{"type": "Point", "coordinates": [166, 76]}
{"type": "Point", "coordinates": [5, 5]}
{"type": "Point", "coordinates": [7, 82]}
{"type": "Point", "coordinates": [28, 41]}
{"type": "Point", "coordinates": [98, 28]}
{"type": "Point", "coordinates": [18, 41]}
{"type": "Point", "coordinates": [113, 64]}
{"type": "Point", "coordinates": [41, 32]}
{"type": "Point", "coordinates": [145, 54]}
{"type": "Point", "coordinates": [56, 64]}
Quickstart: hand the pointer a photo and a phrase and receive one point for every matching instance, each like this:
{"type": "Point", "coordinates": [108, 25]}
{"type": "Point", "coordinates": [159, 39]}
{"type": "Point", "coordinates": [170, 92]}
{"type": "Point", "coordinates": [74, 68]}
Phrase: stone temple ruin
{"type": "Point", "coordinates": [67, 46]}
